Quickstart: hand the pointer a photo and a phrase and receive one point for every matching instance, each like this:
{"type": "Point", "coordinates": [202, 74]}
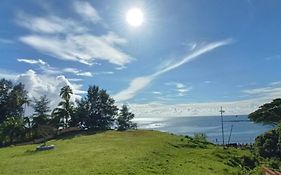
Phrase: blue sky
{"type": "Point", "coordinates": [189, 56]}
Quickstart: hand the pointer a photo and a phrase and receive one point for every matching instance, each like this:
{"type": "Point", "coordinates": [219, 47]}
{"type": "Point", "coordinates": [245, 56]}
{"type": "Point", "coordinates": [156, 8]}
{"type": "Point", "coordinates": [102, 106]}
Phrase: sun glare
{"type": "Point", "coordinates": [134, 17]}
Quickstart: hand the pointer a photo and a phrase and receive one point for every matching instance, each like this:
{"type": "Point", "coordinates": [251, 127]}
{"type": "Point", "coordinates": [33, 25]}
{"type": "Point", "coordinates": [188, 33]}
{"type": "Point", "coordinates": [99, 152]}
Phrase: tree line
{"type": "Point", "coordinates": [95, 111]}
{"type": "Point", "coordinates": [268, 145]}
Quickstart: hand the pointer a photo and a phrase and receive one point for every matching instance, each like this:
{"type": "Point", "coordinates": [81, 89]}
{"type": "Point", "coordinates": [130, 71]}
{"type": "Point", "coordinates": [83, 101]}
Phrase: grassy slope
{"type": "Point", "coordinates": [112, 152]}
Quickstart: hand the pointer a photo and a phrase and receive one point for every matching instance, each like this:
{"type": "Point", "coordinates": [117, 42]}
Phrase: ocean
{"type": "Point", "coordinates": [243, 130]}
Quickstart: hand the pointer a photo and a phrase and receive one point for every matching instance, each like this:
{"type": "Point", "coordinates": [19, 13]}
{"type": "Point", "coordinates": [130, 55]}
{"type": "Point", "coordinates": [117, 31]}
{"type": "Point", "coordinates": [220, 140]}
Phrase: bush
{"type": "Point", "coordinates": [200, 136]}
{"type": "Point", "coordinates": [268, 145]}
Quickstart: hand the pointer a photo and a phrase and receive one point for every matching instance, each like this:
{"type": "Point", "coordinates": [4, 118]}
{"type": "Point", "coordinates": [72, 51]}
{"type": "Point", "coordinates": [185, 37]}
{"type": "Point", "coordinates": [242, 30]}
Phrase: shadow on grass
{"type": "Point", "coordinates": [73, 134]}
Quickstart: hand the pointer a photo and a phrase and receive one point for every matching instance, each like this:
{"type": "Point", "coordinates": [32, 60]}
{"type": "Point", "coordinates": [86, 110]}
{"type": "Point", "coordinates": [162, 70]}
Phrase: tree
{"type": "Point", "coordinates": [269, 113]}
{"type": "Point", "coordinates": [12, 99]}
{"type": "Point", "coordinates": [17, 98]}
{"type": "Point", "coordinates": [124, 119]}
{"type": "Point", "coordinates": [97, 109]}
{"type": "Point", "coordinates": [106, 110]}
{"type": "Point", "coordinates": [12, 128]}
{"type": "Point", "coordinates": [269, 144]}
{"type": "Point", "coordinates": [5, 87]}
{"type": "Point", "coordinates": [41, 109]}
{"type": "Point", "coordinates": [65, 109]}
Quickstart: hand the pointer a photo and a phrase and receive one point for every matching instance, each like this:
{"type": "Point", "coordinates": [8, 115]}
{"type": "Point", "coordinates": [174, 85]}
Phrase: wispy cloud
{"type": "Point", "coordinates": [140, 83]}
{"type": "Point", "coordinates": [156, 92]}
{"type": "Point", "coordinates": [46, 68]}
{"type": "Point", "coordinates": [32, 61]}
{"type": "Point", "coordinates": [82, 48]}
{"type": "Point", "coordinates": [75, 79]}
{"type": "Point", "coordinates": [207, 82]}
{"type": "Point", "coordinates": [180, 88]}
{"type": "Point", "coordinates": [196, 53]}
{"type": "Point", "coordinates": [69, 39]}
{"type": "Point", "coordinates": [275, 83]}
{"type": "Point", "coordinates": [104, 73]}
{"type": "Point", "coordinates": [270, 91]}
{"type": "Point", "coordinates": [87, 11]}
{"type": "Point", "coordinates": [49, 24]}
{"type": "Point", "coordinates": [77, 72]}
{"type": "Point", "coordinates": [135, 86]}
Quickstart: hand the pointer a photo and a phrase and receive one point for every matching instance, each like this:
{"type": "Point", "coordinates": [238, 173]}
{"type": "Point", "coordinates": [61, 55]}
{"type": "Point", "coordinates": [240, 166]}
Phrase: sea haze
{"type": "Point", "coordinates": [243, 130]}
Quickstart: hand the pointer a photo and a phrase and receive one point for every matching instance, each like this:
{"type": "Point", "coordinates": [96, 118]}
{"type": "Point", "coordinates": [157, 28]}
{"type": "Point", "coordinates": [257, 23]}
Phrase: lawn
{"type": "Point", "coordinates": [130, 152]}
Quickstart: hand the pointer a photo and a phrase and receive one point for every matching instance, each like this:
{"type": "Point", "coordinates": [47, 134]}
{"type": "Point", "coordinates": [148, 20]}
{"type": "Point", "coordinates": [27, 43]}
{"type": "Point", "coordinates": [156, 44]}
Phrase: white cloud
{"type": "Point", "coordinates": [135, 86]}
{"type": "Point", "coordinates": [192, 46]}
{"type": "Point", "coordinates": [196, 109]}
{"type": "Point", "coordinates": [120, 68]}
{"type": "Point", "coordinates": [272, 91]}
{"type": "Point", "coordinates": [84, 48]}
{"type": "Point", "coordinates": [87, 11]}
{"type": "Point", "coordinates": [33, 61]}
{"type": "Point", "coordinates": [180, 88]}
{"type": "Point", "coordinates": [44, 66]}
{"type": "Point", "coordinates": [140, 83]}
{"type": "Point", "coordinates": [157, 93]}
{"type": "Point", "coordinates": [85, 74]}
{"type": "Point", "coordinates": [38, 85]}
{"type": "Point", "coordinates": [104, 73]}
{"type": "Point", "coordinates": [180, 85]}
{"type": "Point", "coordinates": [77, 72]}
{"type": "Point", "coordinates": [256, 98]}
{"type": "Point", "coordinates": [49, 24]}
{"type": "Point", "coordinates": [195, 54]}
{"type": "Point", "coordinates": [67, 39]}
{"type": "Point", "coordinates": [75, 79]}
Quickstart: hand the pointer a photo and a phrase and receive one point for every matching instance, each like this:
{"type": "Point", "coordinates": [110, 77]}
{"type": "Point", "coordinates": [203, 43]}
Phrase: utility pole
{"type": "Point", "coordinates": [222, 131]}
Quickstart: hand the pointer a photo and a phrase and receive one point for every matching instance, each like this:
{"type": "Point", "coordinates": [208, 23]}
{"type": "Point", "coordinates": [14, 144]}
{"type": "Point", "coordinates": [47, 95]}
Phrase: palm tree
{"type": "Point", "coordinates": [65, 93]}
{"type": "Point", "coordinates": [65, 107]}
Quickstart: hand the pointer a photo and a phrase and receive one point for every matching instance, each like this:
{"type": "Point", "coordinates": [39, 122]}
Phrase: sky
{"type": "Point", "coordinates": [186, 58]}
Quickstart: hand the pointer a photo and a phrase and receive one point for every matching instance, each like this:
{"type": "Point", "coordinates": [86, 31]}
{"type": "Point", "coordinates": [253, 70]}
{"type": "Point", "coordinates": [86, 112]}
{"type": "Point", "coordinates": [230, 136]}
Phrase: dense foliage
{"type": "Point", "coordinates": [124, 119]}
{"type": "Point", "coordinates": [95, 111]}
{"type": "Point", "coordinates": [12, 99]}
{"type": "Point", "coordinates": [269, 144]}
{"type": "Point", "coordinates": [269, 113]}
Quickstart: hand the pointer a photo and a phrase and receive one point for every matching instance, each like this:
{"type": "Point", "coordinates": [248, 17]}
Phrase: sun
{"type": "Point", "coordinates": [134, 17]}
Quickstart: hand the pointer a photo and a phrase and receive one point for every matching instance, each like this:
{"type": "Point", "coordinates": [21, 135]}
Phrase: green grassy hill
{"type": "Point", "coordinates": [130, 152]}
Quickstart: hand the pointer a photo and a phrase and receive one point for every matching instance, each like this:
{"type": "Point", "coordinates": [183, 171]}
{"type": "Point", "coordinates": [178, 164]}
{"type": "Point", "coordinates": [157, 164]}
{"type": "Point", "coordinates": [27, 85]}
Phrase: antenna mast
{"type": "Point", "coordinates": [222, 130]}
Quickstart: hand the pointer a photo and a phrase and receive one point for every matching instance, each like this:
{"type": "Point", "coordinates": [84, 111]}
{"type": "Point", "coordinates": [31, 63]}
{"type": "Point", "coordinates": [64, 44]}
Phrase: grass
{"type": "Point", "coordinates": [130, 152]}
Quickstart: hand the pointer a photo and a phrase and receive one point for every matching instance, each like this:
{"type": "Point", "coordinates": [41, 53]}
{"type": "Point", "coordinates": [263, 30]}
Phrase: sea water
{"type": "Point", "coordinates": [243, 130]}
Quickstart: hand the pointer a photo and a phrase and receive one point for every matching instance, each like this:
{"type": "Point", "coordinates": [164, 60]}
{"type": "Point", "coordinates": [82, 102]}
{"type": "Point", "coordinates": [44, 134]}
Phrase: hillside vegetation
{"type": "Point", "coordinates": [128, 152]}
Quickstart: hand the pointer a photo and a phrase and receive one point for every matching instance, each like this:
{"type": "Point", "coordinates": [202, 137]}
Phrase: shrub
{"type": "Point", "coordinates": [269, 144]}
{"type": "Point", "coordinates": [200, 136]}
